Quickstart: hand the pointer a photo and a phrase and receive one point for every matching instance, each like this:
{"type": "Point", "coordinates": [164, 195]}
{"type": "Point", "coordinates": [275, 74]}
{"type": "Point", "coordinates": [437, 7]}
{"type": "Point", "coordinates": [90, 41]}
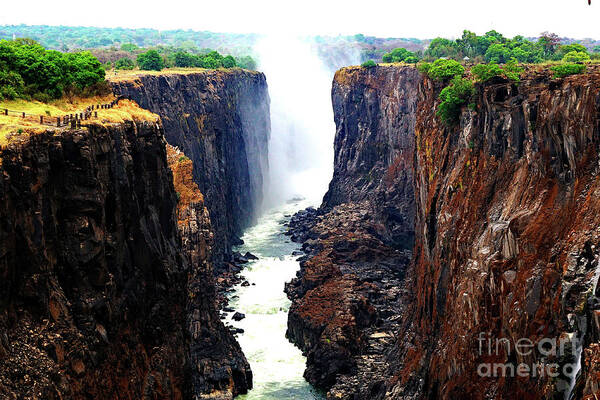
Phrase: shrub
{"type": "Point", "coordinates": [485, 72]}
{"type": "Point", "coordinates": [150, 61]}
{"type": "Point", "coordinates": [560, 71]}
{"type": "Point", "coordinates": [512, 70]}
{"type": "Point", "coordinates": [246, 62]}
{"type": "Point", "coordinates": [576, 56]}
{"type": "Point", "coordinates": [400, 55]}
{"type": "Point", "coordinates": [124, 63]}
{"type": "Point", "coordinates": [27, 69]}
{"type": "Point", "coordinates": [445, 69]}
{"type": "Point", "coordinates": [453, 97]}
{"type": "Point", "coordinates": [368, 64]}
{"type": "Point", "coordinates": [229, 62]}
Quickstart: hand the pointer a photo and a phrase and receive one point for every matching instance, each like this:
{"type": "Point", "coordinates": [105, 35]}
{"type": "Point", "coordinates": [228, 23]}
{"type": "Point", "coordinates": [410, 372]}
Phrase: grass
{"type": "Point", "coordinates": [13, 124]}
{"type": "Point", "coordinates": [129, 75]}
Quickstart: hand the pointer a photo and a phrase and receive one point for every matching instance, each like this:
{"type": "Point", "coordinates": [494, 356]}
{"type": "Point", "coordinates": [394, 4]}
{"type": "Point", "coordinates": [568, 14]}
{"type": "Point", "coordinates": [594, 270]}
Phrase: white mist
{"type": "Point", "coordinates": [302, 126]}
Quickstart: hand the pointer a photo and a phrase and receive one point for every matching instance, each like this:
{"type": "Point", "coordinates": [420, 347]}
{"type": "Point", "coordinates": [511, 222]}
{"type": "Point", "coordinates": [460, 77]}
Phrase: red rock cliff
{"type": "Point", "coordinates": [506, 222]}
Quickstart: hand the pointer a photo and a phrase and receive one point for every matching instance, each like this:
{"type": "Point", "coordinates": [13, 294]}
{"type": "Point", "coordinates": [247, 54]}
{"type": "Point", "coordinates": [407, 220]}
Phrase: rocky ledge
{"type": "Point", "coordinates": [346, 299]}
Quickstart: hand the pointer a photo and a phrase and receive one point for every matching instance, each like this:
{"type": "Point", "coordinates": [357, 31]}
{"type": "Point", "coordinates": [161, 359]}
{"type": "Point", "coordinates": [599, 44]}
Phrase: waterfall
{"type": "Point", "coordinates": [302, 127]}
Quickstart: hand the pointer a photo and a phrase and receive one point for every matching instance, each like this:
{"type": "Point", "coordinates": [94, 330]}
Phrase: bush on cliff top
{"type": "Point", "coordinates": [442, 69]}
{"type": "Point", "coordinates": [576, 56]}
{"type": "Point", "coordinates": [560, 71]}
{"type": "Point", "coordinates": [28, 70]}
{"type": "Point", "coordinates": [150, 61]}
{"type": "Point", "coordinates": [368, 64]}
{"type": "Point", "coordinates": [485, 72]}
{"type": "Point", "coordinates": [453, 97]}
{"type": "Point", "coordinates": [400, 55]}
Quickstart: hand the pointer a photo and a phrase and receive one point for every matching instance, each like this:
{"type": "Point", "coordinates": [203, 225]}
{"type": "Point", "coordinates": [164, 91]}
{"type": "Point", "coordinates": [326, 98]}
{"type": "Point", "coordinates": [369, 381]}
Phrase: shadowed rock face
{"type": "Point", "coordinates": [220, 119]}
{"type": "Point", "coordinates": [508, 232]}
{"type": "Point", "coordinates": [347, 298]}
{"type": "Point", "coordinates": [105, 285]}
{"type": "Point", "coordinates": [219, 368]}
{"type": "Point", "coordinates": [506, 238]}
{"type": "Point", "coordinates": [93, 281]}
{"type": "Point", "coordinates": [375, 114]}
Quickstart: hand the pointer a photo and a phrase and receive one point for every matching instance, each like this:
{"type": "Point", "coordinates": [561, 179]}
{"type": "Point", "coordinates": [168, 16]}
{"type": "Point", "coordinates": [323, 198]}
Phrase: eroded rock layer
{"type": "Point", "coordinates": [347, 299]}
{"type": "Point", "coordinates": [105, 288]}
{"type": "Point", "coordinates": [220, 119]}
{"type": "Point", "coordinates": [507, 242]}
{"type": "Point", "coordinates": [504, 211]}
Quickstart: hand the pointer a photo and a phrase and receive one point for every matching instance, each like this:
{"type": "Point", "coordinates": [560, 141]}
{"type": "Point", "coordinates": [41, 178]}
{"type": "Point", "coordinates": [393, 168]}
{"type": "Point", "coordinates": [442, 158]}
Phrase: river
{"type": "Point", "coordinates": [277, 365]}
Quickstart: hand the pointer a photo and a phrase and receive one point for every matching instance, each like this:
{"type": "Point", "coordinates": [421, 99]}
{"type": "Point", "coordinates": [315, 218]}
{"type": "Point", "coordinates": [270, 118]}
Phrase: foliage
{"type": "Point", "coordinates": [368, 64]}
{"type": "Point", "coordinates": [494, 47]}
{"type": "Point", "coordinates": [400, 55]}
{"type": "Point", "coordinates": [229, 61]}
{"type": "Point", "coordinates": [485, 72]}
{"type": "Point", "coordinates": [453, 97]}
{"type": "Point", "coordinates": [444, 69]}
{"type": "Point", "coordinates": [562, 70]}
{"type": "Point", "coordinates": [576, 56]}
{"type": "Point", "coordinates": [124, 63]}
{"type": "Point", "coordinates": [512, 70]}
{"type": "Point", "coordinates": [150, 61]}
{"type": "Point", "coordinates": [27, 69]}
{"type": "Point", "coordinates": [246, 62]}
{"type": "Point", "coordinates": [129, 47]}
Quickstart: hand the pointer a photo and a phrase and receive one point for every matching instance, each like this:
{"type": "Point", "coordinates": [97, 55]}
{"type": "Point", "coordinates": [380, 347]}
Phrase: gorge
{"type": "Point", "coordinates": [116, 237]}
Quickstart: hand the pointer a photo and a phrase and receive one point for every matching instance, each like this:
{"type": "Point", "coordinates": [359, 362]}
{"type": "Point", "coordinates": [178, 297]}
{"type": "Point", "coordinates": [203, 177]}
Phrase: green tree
{"type": "Point", "coordinates": [150, 61]}
{"type": "Point", "coordinates": [444, 69]}
{"type": "Point", "coordinates": [130, 47]}
{"type": "Point", "coordinates": [453, 97]}
{"type": "Point", "coordinates": [497, 53]}
{"type": "Point", "coordinates": [576, 56]}
{"type": "Point", "coordinates": [124, 63]}
{"type": "Point", "coordinates": [229, 62]}
{"type": "Point", "coordinates": [368, 64]}
{"type": "Point", "coordinates": [246, 62]}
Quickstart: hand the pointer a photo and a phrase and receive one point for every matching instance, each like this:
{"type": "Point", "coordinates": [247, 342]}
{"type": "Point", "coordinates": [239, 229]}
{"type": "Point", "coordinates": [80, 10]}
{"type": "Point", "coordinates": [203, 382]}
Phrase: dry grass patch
{"type": "Point", "coordinates": [12, 124]}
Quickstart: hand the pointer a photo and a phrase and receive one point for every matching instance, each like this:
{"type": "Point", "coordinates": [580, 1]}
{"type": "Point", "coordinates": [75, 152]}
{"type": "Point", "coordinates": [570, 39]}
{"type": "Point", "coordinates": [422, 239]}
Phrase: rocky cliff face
{"type": "Point", "coordinates": [220, 119]}
{"type": "Point", "coordinates": [99, 296]}
{"type": "Point", "coordinates": [506, 242]}
{"type": "Point", "coordinates": [218, 367]}
{"type": "Point", "coordinates": [348, 296]}
{"type": "Point", "coordinates": [375, 114]}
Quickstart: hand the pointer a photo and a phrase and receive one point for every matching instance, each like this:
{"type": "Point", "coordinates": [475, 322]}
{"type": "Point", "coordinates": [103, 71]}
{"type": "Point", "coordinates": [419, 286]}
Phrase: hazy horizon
{"type": "Point", "coordinates": [574, 19]}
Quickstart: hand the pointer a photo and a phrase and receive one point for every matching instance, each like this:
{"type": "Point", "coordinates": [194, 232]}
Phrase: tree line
{"type": "Point", "coordinates": [28, 70]}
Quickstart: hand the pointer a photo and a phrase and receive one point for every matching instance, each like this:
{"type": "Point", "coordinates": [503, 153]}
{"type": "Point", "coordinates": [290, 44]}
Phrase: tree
{"type": "Point", "coordinates": [453, 97]}
{"type": "Point", "coordinates": [549, 42]}
{"type": "Point", "coordinates": [246, 62]}
{"type": "Point", "coordinates": [124, 63]}
{"type": "Point", "coordinates": [229, 62]}
{"type": "Point", "coordinates": [150, 61]}
{"type": "Point", "coordinates": [130, 47]}
{"type": "Point", "coordinates": [497, 53]}
{"type": "Point", "coordinates": [444, 69]}
{"type": "Point", "coordinates": [400, 55]}
{"type": "Point", "coordinates": [184, 59]}
{"type": "Point", "coordinates": [576, 57]}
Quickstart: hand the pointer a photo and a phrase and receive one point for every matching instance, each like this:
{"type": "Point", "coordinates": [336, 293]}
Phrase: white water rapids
{"type": "Point", "coordinates": [277, 365]}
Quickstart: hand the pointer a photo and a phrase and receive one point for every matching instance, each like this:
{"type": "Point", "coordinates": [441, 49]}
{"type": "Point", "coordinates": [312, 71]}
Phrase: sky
{"type": "Point", "coordinates": [399, 18]}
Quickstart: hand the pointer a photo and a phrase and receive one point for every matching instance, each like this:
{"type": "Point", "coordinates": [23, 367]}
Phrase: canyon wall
{"type": "Point", "coordinates": [220, 119]}
{"type": "Point", "coordinates": [506, 236]}
{"type": "Point", "coordinates": [508, 230]}
{"type": "Point", "coordinates": [104, 286]}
